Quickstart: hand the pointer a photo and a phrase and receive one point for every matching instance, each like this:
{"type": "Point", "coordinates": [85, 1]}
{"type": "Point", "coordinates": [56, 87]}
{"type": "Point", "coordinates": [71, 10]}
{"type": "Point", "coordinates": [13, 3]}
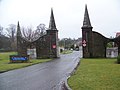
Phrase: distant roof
{"type": "Point", "coordinates": [117, 34]}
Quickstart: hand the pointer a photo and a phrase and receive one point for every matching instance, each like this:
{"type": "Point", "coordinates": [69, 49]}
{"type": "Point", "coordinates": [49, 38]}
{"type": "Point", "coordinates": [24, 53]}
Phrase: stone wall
{"type": "Point", "coordinates": [99, 44]}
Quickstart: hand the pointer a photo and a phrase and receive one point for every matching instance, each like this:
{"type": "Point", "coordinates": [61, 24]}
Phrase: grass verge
{"type": "Point", "coordinates": [66, 51]}
{"type": "Point", "coordinates": [5, 64]}
{"type": "Point", "coordinates": [96, 74]}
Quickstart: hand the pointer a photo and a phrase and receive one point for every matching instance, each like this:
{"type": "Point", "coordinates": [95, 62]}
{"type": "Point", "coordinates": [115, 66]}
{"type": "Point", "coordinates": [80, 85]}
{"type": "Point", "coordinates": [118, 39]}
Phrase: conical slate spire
{"type": "Point", "coordinates": [52, 25]}
{"type": "Point", "coordinates": [86, 21]}
{"type": "Point", "coordinates": [18, 30]}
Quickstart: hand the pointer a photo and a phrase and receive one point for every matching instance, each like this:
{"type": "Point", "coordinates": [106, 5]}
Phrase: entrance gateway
{"type": "Point", "coordinates": [94, 44]}
{"type": "Point", "coordinates": [46, 46]}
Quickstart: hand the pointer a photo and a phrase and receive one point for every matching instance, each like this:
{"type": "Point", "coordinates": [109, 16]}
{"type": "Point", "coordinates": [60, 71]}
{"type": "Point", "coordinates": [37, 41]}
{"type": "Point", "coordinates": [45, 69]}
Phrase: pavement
{"type": "Point", "coordinates": [44, 76]}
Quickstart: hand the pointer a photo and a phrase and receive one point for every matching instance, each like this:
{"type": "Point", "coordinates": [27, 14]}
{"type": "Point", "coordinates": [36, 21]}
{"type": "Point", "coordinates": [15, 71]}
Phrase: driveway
{"type": "Point", "coordinates": [44, 76]}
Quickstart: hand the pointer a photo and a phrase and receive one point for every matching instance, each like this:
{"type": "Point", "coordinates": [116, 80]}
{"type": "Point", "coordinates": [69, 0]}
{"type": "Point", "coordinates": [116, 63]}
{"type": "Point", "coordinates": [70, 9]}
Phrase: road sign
{"type": "Point", "coordinates": [19, 59]}
{"type": "Point", "coordinates": [54, 46]}
{"type": "Point", "coordinates": [84, 45]}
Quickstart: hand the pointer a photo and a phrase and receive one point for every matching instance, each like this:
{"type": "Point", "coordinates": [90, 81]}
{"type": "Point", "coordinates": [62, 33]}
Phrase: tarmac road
{"type": "Point", "coordinates": [44, 76]}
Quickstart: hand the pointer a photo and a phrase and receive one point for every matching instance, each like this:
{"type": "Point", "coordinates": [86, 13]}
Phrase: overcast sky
{"type": "Point", "coordinates": [69, 14]}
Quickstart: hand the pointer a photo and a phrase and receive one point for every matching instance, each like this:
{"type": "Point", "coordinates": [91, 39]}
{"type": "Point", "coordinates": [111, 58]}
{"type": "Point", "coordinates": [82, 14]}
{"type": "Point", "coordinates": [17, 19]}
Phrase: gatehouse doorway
{"type": "Point", "coordinates": [111, 50]}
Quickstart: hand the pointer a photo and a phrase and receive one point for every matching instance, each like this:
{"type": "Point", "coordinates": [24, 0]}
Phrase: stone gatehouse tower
{"type": "Point", "coordinates": [46, 45]}
{"type": "Point", "coordinates": [87, 35]}
{"type": "Point", "coordinates": [94, 44]}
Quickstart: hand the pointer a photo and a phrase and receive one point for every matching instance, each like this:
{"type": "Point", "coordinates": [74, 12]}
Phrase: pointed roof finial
{"type": "Point", "coordinates": [18, 30]}
{"type": "Point", "coordinates": [86, 21]}
{"type": "Point", "coordinates": [52, 25]}
{"type": "Point", "coordinates": [18, 24]}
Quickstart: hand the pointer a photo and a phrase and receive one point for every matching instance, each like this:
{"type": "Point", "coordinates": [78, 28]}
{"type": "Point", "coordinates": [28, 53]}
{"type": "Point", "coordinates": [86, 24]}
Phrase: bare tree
{"type": "Point", "coordinates": [41, 29]}
{"type": "Point", "coordinates": [28, 33]}
{"type": "Point", "coordinates": [1, 30]}
{"type": "Point", "coordinates": [32, 35]}
{"type": "Point", "coordinates": [11, 33]}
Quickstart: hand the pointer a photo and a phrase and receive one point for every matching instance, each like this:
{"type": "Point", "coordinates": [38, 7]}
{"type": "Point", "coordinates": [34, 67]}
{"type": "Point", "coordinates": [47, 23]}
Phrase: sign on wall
{"type": "Point", "coordinates": [84, 43]}
{"type": "Point", "coordinates": [53, 46]}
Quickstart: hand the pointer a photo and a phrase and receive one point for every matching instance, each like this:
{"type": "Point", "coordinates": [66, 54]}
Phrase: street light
{"type": "Point", "coordinates": [65, 43]}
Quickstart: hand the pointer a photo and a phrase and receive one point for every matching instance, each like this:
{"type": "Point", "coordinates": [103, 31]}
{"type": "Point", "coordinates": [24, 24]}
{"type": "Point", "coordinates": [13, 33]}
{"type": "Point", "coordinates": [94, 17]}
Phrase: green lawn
{"type": "Point", "coordinates": [96, 74]}
{"type": "Point", "coordinates": [5, 64]}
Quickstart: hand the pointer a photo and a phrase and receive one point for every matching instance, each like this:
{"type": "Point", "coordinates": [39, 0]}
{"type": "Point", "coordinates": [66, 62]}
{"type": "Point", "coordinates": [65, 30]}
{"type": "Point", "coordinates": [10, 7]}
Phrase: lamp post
{"type": "Point", "coordinates": [65, 43]}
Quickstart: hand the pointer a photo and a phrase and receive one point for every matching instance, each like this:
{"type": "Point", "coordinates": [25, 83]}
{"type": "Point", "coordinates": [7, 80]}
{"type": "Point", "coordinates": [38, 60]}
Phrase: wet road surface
{"type": "Point", "coordinates": [44, 76]}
